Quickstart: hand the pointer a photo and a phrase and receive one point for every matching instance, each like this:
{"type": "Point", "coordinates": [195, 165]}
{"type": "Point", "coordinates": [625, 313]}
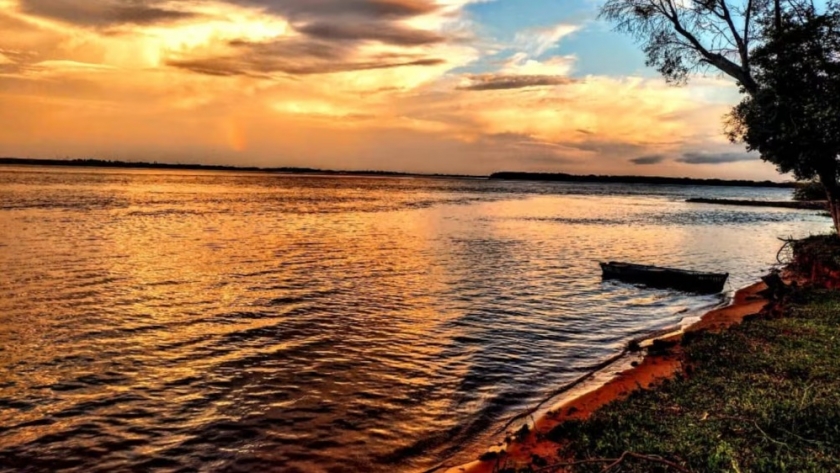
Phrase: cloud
{"type": "Point", "coordinates": [648, 160]}
{"type": "Point", "coordinates": [142, 12]}
{"type": "Point", "coordinates": [520, 72]}
{"type": "Point", "coordinates": [263, 37]}
{"type": "Point", "coordinates": [330, 36]}
{"type": "Point", "coordinates": [606, 146]}
{"type": "Point", "coordinates": [105, 12]}
{"type": "Point", "coordinates": [539, 40]}
{"type": "Point", "coordinates": [390, 34]}
{"type": "Point", "coordinates": [715, 158]}
{"type": "Point", "coordinates": [295, 58]}
{"type": "Point", "coordinates": [521, 64]}
{"type": "Point", "coordinates": [479, 82]}
{"type": "Point", "coordinates": [371, 9]}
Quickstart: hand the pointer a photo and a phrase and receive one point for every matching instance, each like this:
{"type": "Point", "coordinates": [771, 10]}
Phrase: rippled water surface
{"type": "Point", "coordinates": [220, 322]}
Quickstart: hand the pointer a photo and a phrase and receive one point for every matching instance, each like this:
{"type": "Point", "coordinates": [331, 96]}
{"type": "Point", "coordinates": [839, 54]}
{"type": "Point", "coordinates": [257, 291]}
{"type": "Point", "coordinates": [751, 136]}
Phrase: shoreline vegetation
{"type": "Point", "coordinates": [506, 176]}
{"type": "Point", "coordinates": [753, 386]}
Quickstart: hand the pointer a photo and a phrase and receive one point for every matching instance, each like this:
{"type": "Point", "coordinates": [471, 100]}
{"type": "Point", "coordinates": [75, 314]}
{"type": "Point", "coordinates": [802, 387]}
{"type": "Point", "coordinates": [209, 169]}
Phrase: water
{"type": "Point", "coordinates": [219, 322]}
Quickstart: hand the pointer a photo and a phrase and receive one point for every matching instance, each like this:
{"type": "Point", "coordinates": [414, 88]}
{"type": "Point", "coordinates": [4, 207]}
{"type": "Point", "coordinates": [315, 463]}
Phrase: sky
{"type": "Point", "coordinates": [441, 86]}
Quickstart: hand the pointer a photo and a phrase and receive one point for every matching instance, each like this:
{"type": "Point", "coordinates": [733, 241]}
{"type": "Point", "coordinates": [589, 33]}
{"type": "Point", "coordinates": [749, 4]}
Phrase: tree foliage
{"type": "Point", "coordinates": [809, 190]}
{"type": "Point", "coordinates": [793, 116]}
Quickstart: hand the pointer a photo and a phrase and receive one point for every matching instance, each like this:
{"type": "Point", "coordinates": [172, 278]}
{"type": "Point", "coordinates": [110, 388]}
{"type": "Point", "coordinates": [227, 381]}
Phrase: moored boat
{"type": "Point", "coordinates": [655, 276]}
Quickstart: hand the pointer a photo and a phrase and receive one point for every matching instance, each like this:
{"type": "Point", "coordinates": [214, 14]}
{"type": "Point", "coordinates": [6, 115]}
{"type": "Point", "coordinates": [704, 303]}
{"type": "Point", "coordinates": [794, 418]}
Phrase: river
{"type": "Point", "coordinates": [211, 321]}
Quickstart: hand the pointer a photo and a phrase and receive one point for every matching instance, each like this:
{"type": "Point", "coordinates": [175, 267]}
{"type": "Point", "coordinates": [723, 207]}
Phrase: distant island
{"type": "Point", "coordinates": [101, 163]}
{"type": "Point", "coordinates": [513, 176]}
{"type": "Point", "coordinates": [560, 177]}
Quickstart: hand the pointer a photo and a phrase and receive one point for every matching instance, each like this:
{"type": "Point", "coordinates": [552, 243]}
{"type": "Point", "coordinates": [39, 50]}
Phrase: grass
{"type": "Point", "coordinates": [761, 397]}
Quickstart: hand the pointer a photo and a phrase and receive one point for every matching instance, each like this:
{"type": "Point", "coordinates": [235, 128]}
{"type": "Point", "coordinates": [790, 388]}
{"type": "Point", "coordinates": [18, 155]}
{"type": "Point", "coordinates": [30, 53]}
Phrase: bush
{"type": "Point", "coordinates": [811, 190]}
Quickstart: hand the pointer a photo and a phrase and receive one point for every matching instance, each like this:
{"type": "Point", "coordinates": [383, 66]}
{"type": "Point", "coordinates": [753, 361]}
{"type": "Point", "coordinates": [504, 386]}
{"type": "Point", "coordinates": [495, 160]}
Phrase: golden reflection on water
{"type": "Point", "coordinates": [318, 324]}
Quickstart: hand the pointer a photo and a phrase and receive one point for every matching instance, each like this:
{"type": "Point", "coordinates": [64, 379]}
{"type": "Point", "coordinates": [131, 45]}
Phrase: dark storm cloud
{"type": "Point", "coordinates": [103, 13]}
{"type": "Point", "coordinates": [648, 160]}
{"type": "Point", "coordinates": [719, 158]}
{"type": "Point", "coordinates": [482, 82]}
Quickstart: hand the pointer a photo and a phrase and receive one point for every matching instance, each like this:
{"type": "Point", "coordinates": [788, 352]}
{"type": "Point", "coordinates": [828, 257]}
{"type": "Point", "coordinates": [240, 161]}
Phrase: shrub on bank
{"type": "Point", "coordinates": [809, 190]}
{"type": "Point", "coordinates": [818, 259]}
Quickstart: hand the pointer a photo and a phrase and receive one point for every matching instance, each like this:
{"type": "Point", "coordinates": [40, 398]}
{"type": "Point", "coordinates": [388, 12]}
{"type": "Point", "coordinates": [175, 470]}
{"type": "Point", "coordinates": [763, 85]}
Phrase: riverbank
{"type": "Point", "coordinates": [763, 395]}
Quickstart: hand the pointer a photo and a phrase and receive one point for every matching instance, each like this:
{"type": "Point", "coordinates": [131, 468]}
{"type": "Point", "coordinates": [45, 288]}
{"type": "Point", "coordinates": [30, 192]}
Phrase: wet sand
{"type": "Point", "coordinates": [662, 361]}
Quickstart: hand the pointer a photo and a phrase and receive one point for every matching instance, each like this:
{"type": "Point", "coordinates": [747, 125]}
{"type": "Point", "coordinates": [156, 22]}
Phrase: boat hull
{"type": "Point", "coordinates": [666, 278]}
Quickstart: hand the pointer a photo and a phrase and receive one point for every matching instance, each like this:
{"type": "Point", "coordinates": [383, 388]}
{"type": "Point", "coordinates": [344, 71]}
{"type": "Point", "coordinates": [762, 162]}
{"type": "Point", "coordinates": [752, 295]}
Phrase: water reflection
{"type": "Point", "coordinates": [256, 322]}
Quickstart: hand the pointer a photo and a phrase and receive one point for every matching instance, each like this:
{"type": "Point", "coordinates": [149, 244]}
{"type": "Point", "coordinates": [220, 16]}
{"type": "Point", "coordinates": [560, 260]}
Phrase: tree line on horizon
{"type": "Point", "coordinates": [505, 175]}
{"type": "Point", "coordinates": [562, 177]}
{"type": "Point", "coordinates": [785, 57]}
{"type": "Point", "coordinates": [105, 163]}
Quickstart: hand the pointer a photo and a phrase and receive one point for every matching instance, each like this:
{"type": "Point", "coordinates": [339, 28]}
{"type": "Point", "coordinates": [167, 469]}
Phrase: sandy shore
{"type": "Point", "coordinates": [661, 361]}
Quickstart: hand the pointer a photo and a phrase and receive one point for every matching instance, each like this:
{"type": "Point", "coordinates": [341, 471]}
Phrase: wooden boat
{"type": "Point", "coordinates": [654, 276]}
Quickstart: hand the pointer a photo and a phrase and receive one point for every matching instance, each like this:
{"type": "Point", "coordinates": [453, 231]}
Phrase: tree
{"type": "Point", "coordinates": [792, 117]}
{"type": "Point", "coordinates": [682, 36]}
{"type": "Point", "coordinates": [784, 56]}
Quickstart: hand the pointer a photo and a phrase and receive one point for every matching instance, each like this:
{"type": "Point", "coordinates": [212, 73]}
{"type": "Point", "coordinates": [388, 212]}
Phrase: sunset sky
{"type": "Point", "coordinates": [455, 86]}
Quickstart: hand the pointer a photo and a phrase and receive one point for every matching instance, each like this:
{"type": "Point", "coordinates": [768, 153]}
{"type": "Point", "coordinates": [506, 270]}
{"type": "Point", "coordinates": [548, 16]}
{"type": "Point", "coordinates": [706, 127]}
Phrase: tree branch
{"type": "Point", "coordinates": [742, 49]}
{"type": "Point", "coordinates": [748, 15]}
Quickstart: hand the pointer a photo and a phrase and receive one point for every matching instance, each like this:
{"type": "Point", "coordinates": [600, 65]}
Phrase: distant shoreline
{"type": "Point", "coordinates": [560, 177]}
{"type": "Point", "coordinates": [101, 163]}
{"type": "Point", "coordinates": [793, 204]}
{"type": "Point", "coordinates": [507, 176]}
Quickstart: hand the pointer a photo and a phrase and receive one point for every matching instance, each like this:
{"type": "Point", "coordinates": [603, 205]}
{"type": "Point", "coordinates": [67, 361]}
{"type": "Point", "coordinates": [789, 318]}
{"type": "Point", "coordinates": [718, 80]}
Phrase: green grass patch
{"type": "Point", "coordinates": [761, 397]}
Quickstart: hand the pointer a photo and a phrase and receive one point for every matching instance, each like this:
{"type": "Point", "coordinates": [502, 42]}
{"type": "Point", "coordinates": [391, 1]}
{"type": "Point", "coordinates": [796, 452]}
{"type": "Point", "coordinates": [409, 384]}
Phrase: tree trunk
{"type": "Point", "coordinates": [834, 208]}
{"type": "Point", "coordinates": [832, 193]}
